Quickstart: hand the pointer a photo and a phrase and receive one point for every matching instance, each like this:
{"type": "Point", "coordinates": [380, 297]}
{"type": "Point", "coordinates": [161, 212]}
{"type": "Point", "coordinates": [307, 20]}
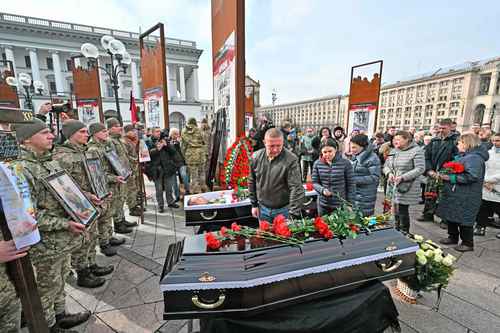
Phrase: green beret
{"type": "Point", "coordinates": [95, 128]}
{"type": "Point", "coordinates": [26, 130]}
{"type": "Point", "coordinates": [71, 126]}
{"type": "Point", "coordinates": [128, 128]}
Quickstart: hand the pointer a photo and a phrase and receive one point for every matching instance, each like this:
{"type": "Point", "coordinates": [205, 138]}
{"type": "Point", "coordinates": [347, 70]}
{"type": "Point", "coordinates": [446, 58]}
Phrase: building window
{"type": "Point", "coordinates": [484, 84]}
{"type": "Point", "coordinates": [52, 86]}
{"type": "Point", "coordinates": [69, 65]}
{"type": "Point", "coordinates": [4, 57]}
{"type": "Point", "coordinates": [50, 63]}
{"type": "Point", "coordinates": [27, 60]}
{"type": "Point", "coordinates": [71, 87]}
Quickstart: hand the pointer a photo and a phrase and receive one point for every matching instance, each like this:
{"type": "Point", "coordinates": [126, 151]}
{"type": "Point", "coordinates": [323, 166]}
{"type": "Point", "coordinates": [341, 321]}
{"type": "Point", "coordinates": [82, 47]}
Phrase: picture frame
{"type": "Point", "coordinates": [97, 177]}
{"type": "Point", "coordinates": [71, 197]}
{"type": "Point", "coordinates": [9, 147]}
{"type": "Point", "coordinates": [121, 168]}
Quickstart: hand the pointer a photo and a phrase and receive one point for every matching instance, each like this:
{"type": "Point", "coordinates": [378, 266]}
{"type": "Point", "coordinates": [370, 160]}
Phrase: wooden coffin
{"type": "Point", "coordinates": [196, 283]}
{"type": "Point", "coordinates": [218, 214]}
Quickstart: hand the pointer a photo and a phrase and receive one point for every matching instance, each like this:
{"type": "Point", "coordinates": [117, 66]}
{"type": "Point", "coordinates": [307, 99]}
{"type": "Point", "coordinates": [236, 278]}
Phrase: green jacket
{"type": "Point", "coordinates": [56, 239]}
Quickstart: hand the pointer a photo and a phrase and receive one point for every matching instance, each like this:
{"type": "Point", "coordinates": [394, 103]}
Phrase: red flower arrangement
{"type": "Point", "coordinates": [264, 225]}
{"type": "Point", "coordinates": [453, 168]}
{"type": "Point", "coordinates": [280, 227]}
{"type": "Point", "coordinates": [212, 242]}
{"type": "Point", "coordinates": [236, 168]}
{"type": "Point", "coordinates": [323, 228]}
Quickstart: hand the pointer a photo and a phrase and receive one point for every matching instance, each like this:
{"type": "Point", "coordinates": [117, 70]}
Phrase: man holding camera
{"type": "Point", "coordinates": [162, 169]}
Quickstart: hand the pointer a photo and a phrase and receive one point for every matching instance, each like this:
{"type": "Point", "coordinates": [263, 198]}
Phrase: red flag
{"type": "Point", "coordinates": [133, 109]}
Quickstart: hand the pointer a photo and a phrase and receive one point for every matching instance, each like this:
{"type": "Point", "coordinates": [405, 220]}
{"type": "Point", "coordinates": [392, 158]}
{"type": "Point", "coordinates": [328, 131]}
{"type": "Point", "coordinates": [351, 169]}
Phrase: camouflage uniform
{"type": "Point", "coordinates": [71, 157]}
{"type": "Point", "coordinates": [105, 222]}
{"type": "Point", "coordinates": [50, 256]}
{"type": "Point", "coordinates": [193, 149]}
{"type": "Point", "coordinates": [133, 185]}
{"type": "Point", "coordinates": [10, 305]}
{"type": "Point", "coordinates": [205, 133]}
{"type": "Point", "coordinates": [120, 197]}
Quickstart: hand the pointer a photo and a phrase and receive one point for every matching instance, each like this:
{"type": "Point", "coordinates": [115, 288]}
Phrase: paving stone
{"type": "Point", "coordinates": [173, 326]}
{"type": "Point", "coordinates": [88, 298]}
{"type": "Point", "coordinates": [136, 319]}
{"type": "Point", "coordinates": [149, 290]}
{"type": "Point", "coordinates": [120, 294]}
{"type": "Point", "coordinates": [130, 272]}
{"type": "Point", "coordinates": [483, 260]}
{"type": "Point", "coordinates": [472, 316]}
{"type": "Point", "coordinates": [404, 328]}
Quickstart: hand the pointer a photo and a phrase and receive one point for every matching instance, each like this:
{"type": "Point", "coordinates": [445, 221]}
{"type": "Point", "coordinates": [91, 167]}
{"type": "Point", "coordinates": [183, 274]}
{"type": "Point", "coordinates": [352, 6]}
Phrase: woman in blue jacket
{"type": "Point", "coordinates": [366, 174]}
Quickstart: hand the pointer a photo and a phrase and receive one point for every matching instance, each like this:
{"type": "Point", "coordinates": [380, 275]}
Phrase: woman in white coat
{"type": "Point", "coordinates": [491, 189]}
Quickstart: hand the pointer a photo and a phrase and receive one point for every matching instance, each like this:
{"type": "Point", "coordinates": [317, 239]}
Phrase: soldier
{"type": "Point", "coordinates": [72, 155]}
{"type": "Point", "coordinates": [60, 235]}
{"type": "Point", "coordinates": [132, 188]}
{"type": "Point", "coordinates": [205, 133]}
{"type": "Point", "coordinates": [193, 149]}
{"type": "Point", "coordinates": [100, 144]}
{"type": "Point", "coordinates": [115, 132]}
{"type": "Point", "coordinates": [10, 306]}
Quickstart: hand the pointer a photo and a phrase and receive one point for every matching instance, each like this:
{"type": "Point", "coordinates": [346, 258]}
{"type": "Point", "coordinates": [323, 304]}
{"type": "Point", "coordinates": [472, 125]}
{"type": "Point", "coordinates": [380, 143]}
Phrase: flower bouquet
{"type": "Point", "coordinates": [433, 271]}
{"type": "Point", "coordinates": [435, 185]}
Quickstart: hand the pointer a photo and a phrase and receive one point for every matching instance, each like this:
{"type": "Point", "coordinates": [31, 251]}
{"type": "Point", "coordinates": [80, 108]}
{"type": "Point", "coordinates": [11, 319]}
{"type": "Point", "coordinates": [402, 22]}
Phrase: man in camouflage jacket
{"type": "Point", "coordinates": [100, 145]}
{"type": "Point", "coordinates": [72, 156]}
{"type": "Point", "coordinates": [60, 236]}
{"type": "Point", "coordinates": [133, 186]}
{"type": "Point", "coordinates": [115, 132]}
{"type": "Point", "coordinates": [194, 150]}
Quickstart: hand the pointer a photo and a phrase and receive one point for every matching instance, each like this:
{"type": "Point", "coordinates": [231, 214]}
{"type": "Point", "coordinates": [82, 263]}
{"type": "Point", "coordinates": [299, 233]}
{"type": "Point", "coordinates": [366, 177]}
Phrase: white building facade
{"type": "Point", "coordinates": [43, 48]}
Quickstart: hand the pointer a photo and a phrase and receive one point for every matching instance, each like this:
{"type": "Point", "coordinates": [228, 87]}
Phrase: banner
{"type": "Point", "coordinates": [8, 94]}
{"type": "Point", "coordinates": [143, 152]}
{"type": "Point", "coordinates": [364, 97]}
{"type": "Point", "coordinates": [228, 56]}
{"type": "Point", "coordinates": [88, 111]}
{"type": "Point", "coordinates": [87, 88]}
{"type": "Point", "coordinates": [154, 78]}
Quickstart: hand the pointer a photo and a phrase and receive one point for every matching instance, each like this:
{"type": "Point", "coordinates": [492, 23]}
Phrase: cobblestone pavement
{"type": "Point", "coordinates": [130, 301]}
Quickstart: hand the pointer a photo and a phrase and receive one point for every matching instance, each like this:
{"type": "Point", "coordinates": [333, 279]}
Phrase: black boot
{"type": "Point", "coordinates": [107, 250]}
{"type": "Point", "coordinates": [136, 211]}
{"type": "Point", "coordinates": [101, 270]}
{"type": "Point", "coordinates": [122, 229]}
{"type": "Point", "coordinates": [57, 329]}
{"type": "Point", "coordinates": [161, 209]}
{"type": "Point", "coordinates": [397, 223]}
{"type": "Point", "coordinates": [405, 223]}
{"type": "Point", "coordinates": [87, 280]}
{"type": "Point", "coordinates": [70, 320]}
{"type": "Point", "coordinates": [129, 224]}
{"type": "Point", "coordinates": [113, 241]}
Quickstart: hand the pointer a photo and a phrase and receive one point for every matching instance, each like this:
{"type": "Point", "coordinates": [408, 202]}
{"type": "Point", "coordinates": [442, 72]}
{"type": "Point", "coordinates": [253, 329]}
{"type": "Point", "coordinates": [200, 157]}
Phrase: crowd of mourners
{"type": "Point", "coordinates": [441, 172]}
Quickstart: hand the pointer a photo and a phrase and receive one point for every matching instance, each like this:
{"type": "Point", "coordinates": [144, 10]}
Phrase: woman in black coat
{"type": "Point", "coordinates": [461, 195]}
{"type": "Point", "coordinates": [332, 175]}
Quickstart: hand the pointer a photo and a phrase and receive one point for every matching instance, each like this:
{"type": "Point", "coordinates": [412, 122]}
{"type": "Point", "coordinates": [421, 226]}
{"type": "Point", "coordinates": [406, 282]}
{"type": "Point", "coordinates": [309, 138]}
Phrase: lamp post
{"type": "Point", "coordinates": [30, 88]}
{"type": "Point", "coordinates": [120, 60]}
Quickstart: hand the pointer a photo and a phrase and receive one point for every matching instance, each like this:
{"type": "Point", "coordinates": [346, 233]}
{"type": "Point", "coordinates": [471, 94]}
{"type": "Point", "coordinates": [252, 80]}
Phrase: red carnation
{"type": "Point", "coordinates": [279, 219]}
{"type": "Point", "coordinates": [309, 186]}
{"type": "Point", "coordinates": [212, 242]}
{"type": "Point", "coordinates": [454, 167]}
{"type": "Point", "coordinates": [320, 225]}
{"type": "Point", "coordinates": [264, 225]}
{"type": "Point", "coordinates": [282, 230]}
{"type": "Point", "coordinates": [223, 232]}
{"type": "Point", "coordinates": [328, 234]}
{"type": "Point", "coordinates": [235, 227]}
{"type": "Point", "coordinates": [354, 228]}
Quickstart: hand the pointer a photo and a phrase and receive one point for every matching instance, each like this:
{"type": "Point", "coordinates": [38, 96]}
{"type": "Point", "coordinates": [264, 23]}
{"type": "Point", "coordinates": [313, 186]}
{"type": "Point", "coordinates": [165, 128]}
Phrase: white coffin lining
{"type": "Point", "coordinates": [286, 275]}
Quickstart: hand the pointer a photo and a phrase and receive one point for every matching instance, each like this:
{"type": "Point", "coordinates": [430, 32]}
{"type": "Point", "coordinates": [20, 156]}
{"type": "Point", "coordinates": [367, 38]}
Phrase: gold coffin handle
{"type": "Point", "coordinates": [391, 268]}
{"type": "Point", "coordinates": [214, 215]}
{"type": "Point", "coordinates": [208, 306]}
{"type": "Point", "coordinates": [308, 202]}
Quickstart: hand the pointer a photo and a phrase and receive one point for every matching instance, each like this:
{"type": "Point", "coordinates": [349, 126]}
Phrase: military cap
{"type": "Point", "coordinates": [95, 128]}
{"type": "Point", "coordinates": [128, 128]}
{"type": "Point", "coordinates": [192, 121]}
{"type": "Point", "coordinates": [112, 122]}
{"type": "Point", "coordinates": [26, 130]}
{"type": "Point", "coordinates": [71, 126]}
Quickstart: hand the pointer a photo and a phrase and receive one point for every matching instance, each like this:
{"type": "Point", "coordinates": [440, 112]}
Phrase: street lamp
{"type": "Point", "coordinates": [120, 60]}
{"type": "Point", "coordinates": [30, 88]}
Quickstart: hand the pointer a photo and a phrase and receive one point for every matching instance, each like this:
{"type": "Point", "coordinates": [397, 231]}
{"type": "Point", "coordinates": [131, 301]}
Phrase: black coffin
{"type": "Point", "coordinates": [213, 216]}
{"type": "Point", "coordinates": [196, 283]}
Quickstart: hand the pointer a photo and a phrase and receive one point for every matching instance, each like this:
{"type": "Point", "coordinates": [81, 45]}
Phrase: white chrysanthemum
{"type": "Point", "coordinates": [418, 238]}
{"type": "Point", "coordinates": [422, 260]}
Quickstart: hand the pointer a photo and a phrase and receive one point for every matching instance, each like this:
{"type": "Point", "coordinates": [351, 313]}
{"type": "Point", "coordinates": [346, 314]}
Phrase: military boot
{"type": "Point", "coordinates": [57, 329]}
{"type": "Point", "coordinates": [129, 224]}
{"type": "Point", "coordinates": [122, 229]}
{"type": "Point", "coordinates": [101, 270]}
{"type": "Point", "coordinates": [107, 250]}
{"type": "Point", "coordinates": [113, 241]}
{"type": "Point", "coordinates": [136, 211]}
{"type": "Point", "coordinates": [87, 280]}
{"type": "Point", "coordinates": [70, 320]}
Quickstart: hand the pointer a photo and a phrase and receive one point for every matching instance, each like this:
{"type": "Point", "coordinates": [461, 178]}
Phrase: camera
{"type": "Point", "coordinates": [61, 107]}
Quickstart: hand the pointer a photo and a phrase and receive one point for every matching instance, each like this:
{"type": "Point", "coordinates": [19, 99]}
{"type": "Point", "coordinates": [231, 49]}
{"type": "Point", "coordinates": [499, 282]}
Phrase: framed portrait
{"type": "Point", "coordinates": [71, 197]}
{"type": "Point", "coordinates": [9, 148]}
{"type": "Point", "coordinates": [121, 168]}
{"type": "Point", "coordinates": [97, 177]}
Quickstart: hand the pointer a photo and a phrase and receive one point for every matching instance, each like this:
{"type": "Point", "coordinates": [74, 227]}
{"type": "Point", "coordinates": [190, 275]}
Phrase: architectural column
{"type": "Point", "coordinates": [493, 82]}
{"type": "Point", "coordinates": [9, 55]}
{"type": "Point", "coordinates": [172, 82]}
{"type": "Point", "coordinates": [35, 67]}
{"type": "Point", "coordinates": [182, 83]}
{"type": "Point", "coordinates": [196, 94]}
{"type": "Point", "coordinates": [58, 72]}
{"type": "Point", "coordinates": [136, 90]}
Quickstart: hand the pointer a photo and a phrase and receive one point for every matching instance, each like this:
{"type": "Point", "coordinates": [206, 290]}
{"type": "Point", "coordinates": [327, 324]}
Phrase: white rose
{"type": "Point", "coordinates": [424, 246]}
{"type": "Point", "coordinates": [418, 238]}
{"type": "Point", "coordinates": [420, 253]}
{"type": "Point", "coordinates": [429, 253]}
{"type": "Point", "coordinates": [422, 260]}
{"type": "Point", "coordinates": [447, 261]}
{"type": "Point", "coordinates": [438, 251]}
{"type": "Point", "coordinates": [438, 258]}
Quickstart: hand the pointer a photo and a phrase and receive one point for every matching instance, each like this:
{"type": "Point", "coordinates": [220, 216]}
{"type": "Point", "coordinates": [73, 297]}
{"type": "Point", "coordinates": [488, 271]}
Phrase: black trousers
{"type": "Point", "coordinates": [465, 233]}
{"type": "Point", "coordinates": [306, 166]}
{"type": "Point", "coordinates": [402, 217]}
{"type": "Point", "coordinates": [488, 208]}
